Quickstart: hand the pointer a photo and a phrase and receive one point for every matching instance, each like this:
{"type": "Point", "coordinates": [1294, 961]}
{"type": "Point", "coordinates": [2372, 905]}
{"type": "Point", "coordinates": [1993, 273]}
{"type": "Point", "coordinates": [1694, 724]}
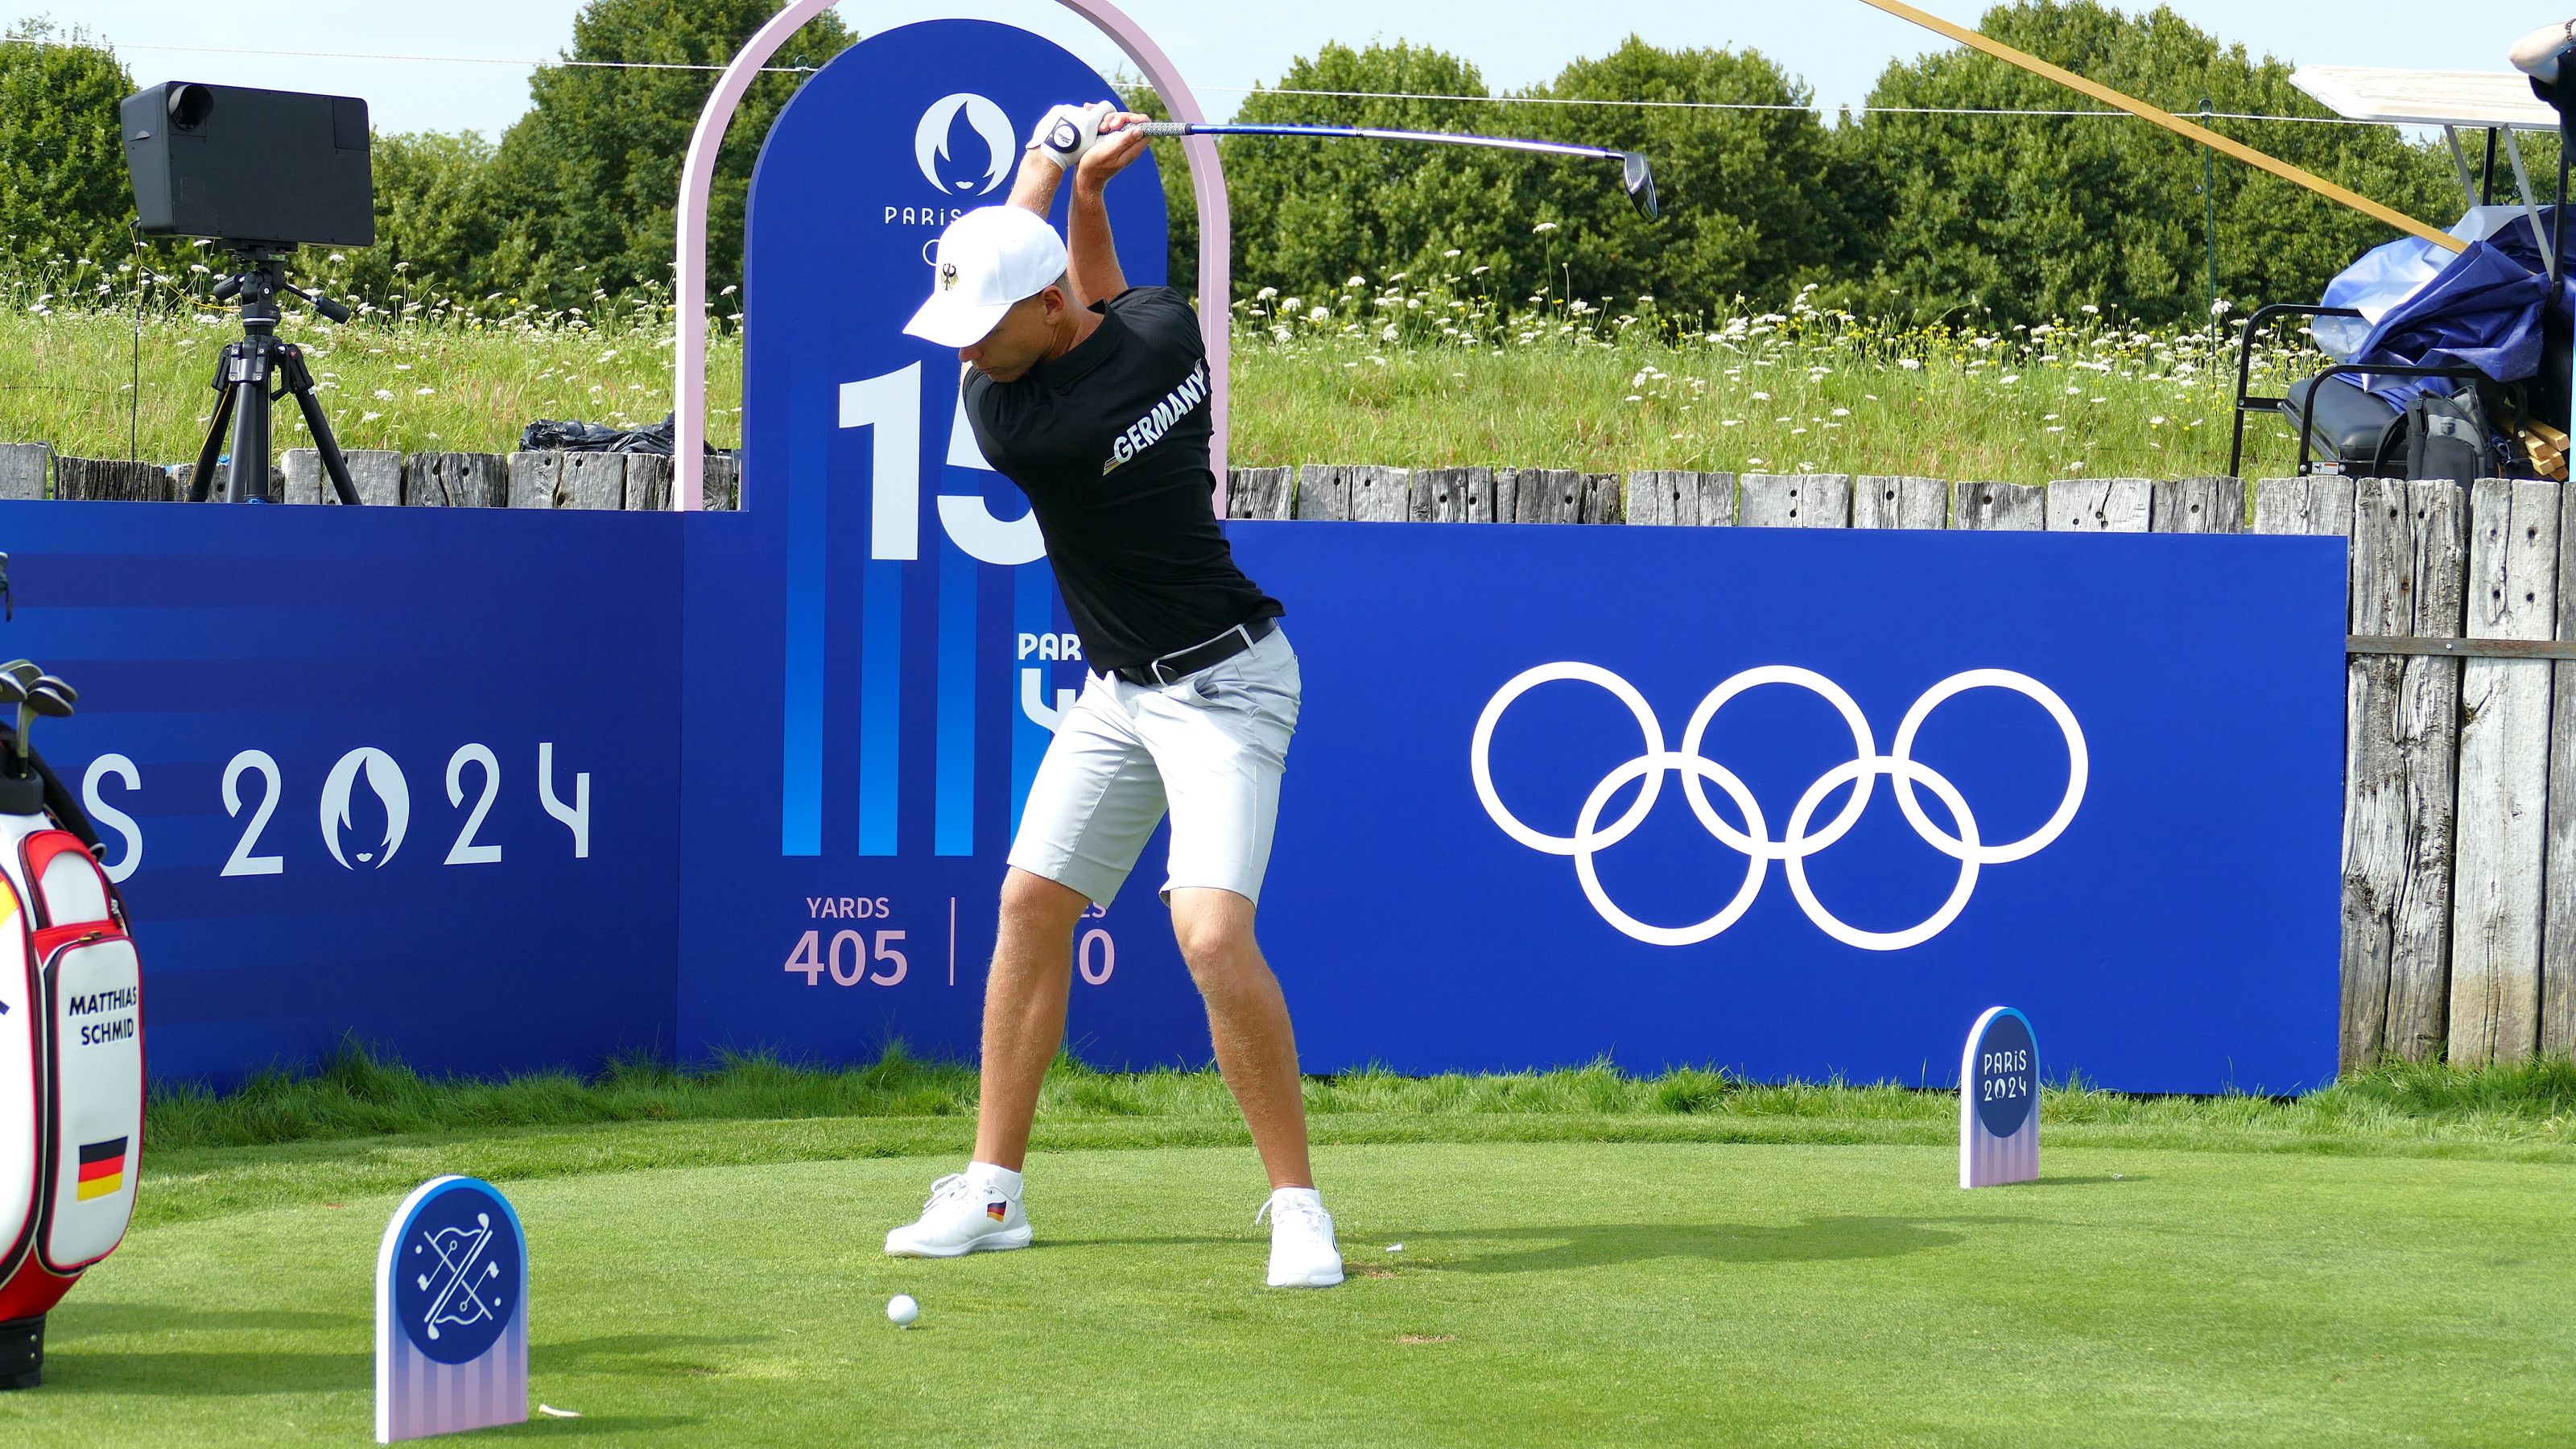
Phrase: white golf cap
{"type": "Point", "coordinates": [988, 260]}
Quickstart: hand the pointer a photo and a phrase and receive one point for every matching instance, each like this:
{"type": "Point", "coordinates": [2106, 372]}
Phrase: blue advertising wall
{"type": "Point", "coordinates": [377, 686]}
{"type": "Point", "coordinates": [806, 729]}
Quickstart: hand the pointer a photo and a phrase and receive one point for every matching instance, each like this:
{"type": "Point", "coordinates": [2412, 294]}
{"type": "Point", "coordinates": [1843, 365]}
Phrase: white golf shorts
{"type": "Point", "coordinates": [1209, 746]}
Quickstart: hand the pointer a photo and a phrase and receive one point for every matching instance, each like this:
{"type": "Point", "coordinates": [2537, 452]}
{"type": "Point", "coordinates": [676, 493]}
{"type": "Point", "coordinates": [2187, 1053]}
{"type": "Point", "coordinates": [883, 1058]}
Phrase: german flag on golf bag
{"type": "Point", "coordinates": [71, 1064]}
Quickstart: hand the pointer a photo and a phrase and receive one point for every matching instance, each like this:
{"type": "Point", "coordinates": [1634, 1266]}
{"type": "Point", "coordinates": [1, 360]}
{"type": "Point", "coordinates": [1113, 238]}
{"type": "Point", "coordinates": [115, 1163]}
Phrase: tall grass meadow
{"type": "Point", "coordinates": [113, 358]}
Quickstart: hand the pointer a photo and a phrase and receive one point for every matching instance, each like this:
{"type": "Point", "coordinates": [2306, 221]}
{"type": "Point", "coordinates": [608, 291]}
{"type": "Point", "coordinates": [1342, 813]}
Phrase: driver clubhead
{"type": "Point", "coordinates": [1641, 183]}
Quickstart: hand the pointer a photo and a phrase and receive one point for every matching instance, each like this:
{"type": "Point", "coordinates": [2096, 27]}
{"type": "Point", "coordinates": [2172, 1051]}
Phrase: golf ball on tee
{"type": "Point", "coordinates": [901, 1310]}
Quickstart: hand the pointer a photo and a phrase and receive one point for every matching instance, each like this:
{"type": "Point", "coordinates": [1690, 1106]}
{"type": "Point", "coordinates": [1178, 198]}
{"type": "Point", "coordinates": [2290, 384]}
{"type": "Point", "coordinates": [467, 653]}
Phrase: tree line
{"type": "Point", "coordinates": [1924, 207]}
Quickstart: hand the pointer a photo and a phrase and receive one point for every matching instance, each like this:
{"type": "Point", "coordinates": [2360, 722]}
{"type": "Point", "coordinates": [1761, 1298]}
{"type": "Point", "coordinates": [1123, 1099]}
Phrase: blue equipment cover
{"type": "Point", "coordinates": [2483, 310]}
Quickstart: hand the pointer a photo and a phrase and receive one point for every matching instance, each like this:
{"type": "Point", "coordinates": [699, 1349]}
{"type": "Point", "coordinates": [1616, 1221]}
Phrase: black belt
{"type": "Point", "coordinates": [1199, 656]}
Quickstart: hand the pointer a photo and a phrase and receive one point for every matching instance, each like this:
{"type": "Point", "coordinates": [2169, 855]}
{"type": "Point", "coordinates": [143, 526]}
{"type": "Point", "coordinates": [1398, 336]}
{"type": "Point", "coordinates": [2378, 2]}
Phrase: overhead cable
{"type": "Point", "coordinates": [1257, 89]}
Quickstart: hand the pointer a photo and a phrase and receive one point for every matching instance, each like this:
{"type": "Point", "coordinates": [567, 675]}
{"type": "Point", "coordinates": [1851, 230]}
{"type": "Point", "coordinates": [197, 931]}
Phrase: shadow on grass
{"type": "Point", "coordinates": [2106, 1178]}
{"type": "Point", "coordinates": [76, 1320]}
{"type": "Point", "coordinates": [1820, 1239]}
{"type": "Point", "coordinates": [75, 1367]}
{"type": "Point", "coordinates": [70, 1370]}
{"type": "Point", "coordinates": [633, 1355]}
{"type": "Point", "coordinates": [595, 1423]}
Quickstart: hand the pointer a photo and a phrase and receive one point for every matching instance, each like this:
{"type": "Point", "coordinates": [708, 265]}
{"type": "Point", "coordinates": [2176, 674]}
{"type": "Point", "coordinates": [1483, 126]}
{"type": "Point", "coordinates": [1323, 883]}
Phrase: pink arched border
{"type": "Point", "coordinates": [689, 356]}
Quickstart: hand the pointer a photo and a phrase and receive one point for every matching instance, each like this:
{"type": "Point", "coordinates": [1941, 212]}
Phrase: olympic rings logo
{"type": "Point", "coordinates": [1962, 843]}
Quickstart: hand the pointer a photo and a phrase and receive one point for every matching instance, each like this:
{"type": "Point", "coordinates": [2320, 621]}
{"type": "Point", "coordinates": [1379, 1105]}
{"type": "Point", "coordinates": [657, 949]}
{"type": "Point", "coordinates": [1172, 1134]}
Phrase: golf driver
{"type": "Point", "coordinates": [1639, 177]}
{"type": "Point", "coordinates": [49, 697]}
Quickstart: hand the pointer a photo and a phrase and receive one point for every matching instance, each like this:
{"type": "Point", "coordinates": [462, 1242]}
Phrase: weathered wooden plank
{"type": "Point", "coordinates": [1507, 495]}
{"type": "Point", "coordinates": [2319, 503]}
{"type": "Point", "coordinates": [24, 469]}
{"type": "Point", "coordinates": [1796, 500]}
{"type": "Point", "coordinates": [1605, 499]}
{"type": "Point", "coordinates": [1549, 495]}
{"type": "Point", "coordinates": [1649, 500]}
{"type": "Point", "coordinates": [1453, 495]}
{"type": "Point", "coordinates": [112, 480]}
{"type": "Point", "coordinates": [592, 480]}
{"type": "Point", "coordinates": [2099, 505]}
{"type": "Point", "coordinates": [2199, 505]}
{"type": "Point", "coordinates": [376, 474]}
{"type": "Point", "coordinates": [303, 480]}
{"type": "Point", "coordinates": [535, 475]}
{"type": "Point", "coordinates": [1717, 499]}
{"type": "Point", "coordinates": [470, 480]}
{"type": "Point", "coordinates": [1893, 502]}
{"type": "Point", "coordinates": [2497, 891]}
{"type": "Point", "coordinates": [1379, 494]}
{"type": "Point", "coordinates": [720, 487]}
{"type": "Point", "coordinates": [1986, 506]}
{"type": "Point", "coordinates": [1323, 491]}
{"type": "Point", "coordinates": [1444, 495]}
{"type": "Point", "coordinates": [2558, 920]}
{"type": "Point", "coordinates": [2409, 576]}
{"type": "Point", "coordinates": [648, 483]}
{"type": "Point", "coordinates": [1477, 495]}
{"type": "Point", "coordinates": [1258, 492]}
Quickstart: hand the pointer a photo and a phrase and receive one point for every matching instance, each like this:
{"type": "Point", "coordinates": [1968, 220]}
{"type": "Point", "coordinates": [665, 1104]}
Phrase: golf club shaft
{"type": "Point", "coordinates": [1366, 133]}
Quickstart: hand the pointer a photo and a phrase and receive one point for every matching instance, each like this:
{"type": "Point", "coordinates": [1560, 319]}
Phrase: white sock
{"type": "Point", "coordinates": [1306, 1196]}
{"type": "Point", "coordinates": [989, 1175]}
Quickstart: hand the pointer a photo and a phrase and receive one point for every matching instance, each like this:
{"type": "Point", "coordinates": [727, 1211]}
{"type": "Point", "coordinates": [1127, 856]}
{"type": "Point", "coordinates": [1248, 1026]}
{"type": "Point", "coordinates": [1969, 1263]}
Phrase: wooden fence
{"type": "Point", "coordinates": [385, 479]}
{"type": "Point", "coordinates": [2459, 885]}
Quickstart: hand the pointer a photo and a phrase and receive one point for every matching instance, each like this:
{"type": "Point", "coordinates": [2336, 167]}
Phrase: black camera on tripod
{"type": "Point", "coordinates": [261, 173]}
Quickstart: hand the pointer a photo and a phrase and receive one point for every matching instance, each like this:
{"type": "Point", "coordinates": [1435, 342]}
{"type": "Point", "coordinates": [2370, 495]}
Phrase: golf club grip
{"type": "Point", "coordinates": [1165, 128]}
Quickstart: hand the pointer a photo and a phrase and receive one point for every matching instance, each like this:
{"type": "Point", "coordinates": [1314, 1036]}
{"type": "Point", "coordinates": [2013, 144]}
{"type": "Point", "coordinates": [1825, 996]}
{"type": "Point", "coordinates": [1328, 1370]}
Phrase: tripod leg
{"type": "Point", "coordinates": [248, 477]}
{"type": "Point", "coordinates": [300, 382]}
{"type": "Point", "coordinates": [201, 482]}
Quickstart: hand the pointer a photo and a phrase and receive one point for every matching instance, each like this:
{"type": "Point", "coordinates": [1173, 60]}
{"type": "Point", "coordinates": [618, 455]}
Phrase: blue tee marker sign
{"type": "Point", "coordinates": [1999, 1101]}
{"type": "Point", "coordinates": [451, 1313]}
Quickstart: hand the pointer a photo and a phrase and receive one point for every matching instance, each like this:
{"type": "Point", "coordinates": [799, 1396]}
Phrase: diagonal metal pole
{"type": "Point", "coordinates": [2176, 124]}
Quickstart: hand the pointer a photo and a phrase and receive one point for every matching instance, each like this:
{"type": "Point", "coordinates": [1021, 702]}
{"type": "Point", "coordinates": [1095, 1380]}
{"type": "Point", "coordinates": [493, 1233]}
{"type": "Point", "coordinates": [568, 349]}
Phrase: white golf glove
{"type": "Point", "coordinates": [1067, 133]}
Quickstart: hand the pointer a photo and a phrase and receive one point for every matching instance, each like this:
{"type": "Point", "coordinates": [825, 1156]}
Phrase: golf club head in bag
{"type": "Point", "coordinates": [71, 1050]}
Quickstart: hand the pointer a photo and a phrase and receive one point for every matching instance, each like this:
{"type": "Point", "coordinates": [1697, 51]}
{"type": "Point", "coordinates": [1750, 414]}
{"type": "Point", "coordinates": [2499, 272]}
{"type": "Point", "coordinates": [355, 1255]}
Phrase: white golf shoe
{"type": "Point", "coordinates": [960, 1218]}
{"type": "Point", "coordinates": [1303, 1252]}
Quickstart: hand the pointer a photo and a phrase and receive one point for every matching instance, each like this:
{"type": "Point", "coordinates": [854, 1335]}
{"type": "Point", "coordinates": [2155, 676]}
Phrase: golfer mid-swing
{"type": "Point", "coordinates": [1093, 397]}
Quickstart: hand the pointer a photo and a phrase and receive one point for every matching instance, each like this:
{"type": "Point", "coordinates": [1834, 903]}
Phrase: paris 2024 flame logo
{"type": "Point", "coordinates": [934, 142]}
{"type": "Point", "coordinates": [383, 779]}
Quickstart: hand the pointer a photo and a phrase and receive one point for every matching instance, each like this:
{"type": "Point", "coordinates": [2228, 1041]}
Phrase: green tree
{"type": "Point", "coordinates": [64, 194]}
{"type": "Point", "coordinates": [587, 182]}
{"type": "Point", "coordinates": [1311, 213]}
{"type": "Point", "coordinates": [1751, 205]}
{"type": "Point", "coordinates": [436, 227]}
{"type": "Point", "coordinates": [2035, 216]}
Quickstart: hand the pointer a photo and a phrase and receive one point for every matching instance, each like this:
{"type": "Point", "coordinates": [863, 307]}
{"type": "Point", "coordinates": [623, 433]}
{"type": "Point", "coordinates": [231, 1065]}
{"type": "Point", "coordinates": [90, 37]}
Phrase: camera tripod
{"type": "Point", "coordinates": [243, 375]}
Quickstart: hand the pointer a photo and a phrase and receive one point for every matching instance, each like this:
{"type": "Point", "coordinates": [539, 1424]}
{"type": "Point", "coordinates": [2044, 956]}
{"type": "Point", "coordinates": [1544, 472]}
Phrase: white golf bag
{"type": "Point", "coordinates": [71, 1065]}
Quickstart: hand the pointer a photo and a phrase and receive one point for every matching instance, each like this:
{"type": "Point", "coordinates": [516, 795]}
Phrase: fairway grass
{"type": "Point", "coordinates": [721, 1282]}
